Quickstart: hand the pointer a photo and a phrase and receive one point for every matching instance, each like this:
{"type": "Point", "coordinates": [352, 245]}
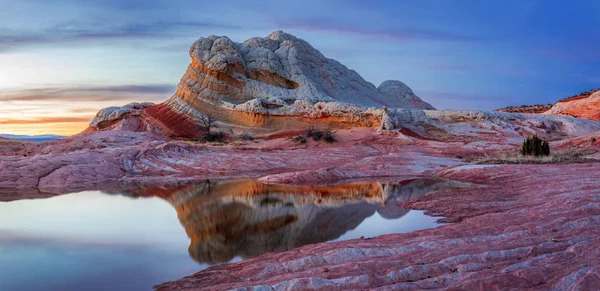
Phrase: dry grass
{"type": "Point", "coordinates": [514, 157]}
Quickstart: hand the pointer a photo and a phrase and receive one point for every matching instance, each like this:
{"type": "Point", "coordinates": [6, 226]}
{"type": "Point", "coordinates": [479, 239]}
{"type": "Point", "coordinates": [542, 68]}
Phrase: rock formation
{"type": "Point", "coordinates": [276, 82]}
{"type": "Point", "coordinates": [402, 96]}
{"type": "Point", "coordinates": [583, 105]}
{"type": "Point", "coordinates": [579, 106]}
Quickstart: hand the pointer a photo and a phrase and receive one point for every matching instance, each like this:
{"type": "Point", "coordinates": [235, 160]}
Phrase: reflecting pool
{"type": "Point", "coordinates": [134, 239]}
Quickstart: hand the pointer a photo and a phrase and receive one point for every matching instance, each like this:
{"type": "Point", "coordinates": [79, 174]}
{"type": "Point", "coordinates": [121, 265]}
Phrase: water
{"type": "Point", "coordinates": [132, 240]}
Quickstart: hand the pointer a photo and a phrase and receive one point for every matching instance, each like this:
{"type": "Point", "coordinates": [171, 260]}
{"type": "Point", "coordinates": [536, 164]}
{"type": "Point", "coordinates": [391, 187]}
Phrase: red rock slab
{"type": "Point", "coordinates": [531, 227]}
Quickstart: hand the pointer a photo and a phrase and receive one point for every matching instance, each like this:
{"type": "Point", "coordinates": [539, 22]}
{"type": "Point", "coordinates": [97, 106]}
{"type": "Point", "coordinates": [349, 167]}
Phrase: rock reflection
{"type": "Point", "coordinates": [229, 218]}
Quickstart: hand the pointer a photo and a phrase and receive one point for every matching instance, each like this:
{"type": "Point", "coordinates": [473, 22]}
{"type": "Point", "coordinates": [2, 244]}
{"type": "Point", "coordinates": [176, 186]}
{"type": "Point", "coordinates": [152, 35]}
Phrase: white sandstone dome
{"type": "Point", "coordinates": [400, 94]}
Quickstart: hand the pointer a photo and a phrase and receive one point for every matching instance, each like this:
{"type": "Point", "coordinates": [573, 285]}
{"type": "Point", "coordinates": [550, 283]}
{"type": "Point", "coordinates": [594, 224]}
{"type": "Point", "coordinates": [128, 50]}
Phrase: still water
{"type": "Point", "coordinates": [132, 240]}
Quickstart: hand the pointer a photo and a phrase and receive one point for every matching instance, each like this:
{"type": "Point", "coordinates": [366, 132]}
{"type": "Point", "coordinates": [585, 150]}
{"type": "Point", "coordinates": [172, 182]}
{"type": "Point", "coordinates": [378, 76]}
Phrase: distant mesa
{"type": "Point", "coordinates": [583, 105]}
{"type": "Point", "coordinates": [264, 84]}
{"type": "Point", "coordinates": [532, 109]}
{"type": "Point", "coordinates": [33, 138]}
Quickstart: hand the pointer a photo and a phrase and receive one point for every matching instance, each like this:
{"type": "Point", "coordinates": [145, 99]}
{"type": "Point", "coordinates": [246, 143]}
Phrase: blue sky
{"type": "Point", "coordinates": [466, 54]}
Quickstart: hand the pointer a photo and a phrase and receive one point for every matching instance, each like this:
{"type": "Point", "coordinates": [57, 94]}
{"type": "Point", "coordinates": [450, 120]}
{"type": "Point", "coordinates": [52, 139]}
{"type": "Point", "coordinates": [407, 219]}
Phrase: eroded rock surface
{"type": "Point", "coordinates": [531, 227]}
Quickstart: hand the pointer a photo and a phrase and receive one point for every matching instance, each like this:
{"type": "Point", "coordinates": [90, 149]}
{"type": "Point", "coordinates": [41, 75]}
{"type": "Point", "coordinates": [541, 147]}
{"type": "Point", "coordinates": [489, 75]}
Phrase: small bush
{"type": "Point", "coordinates": [328, 136]}
{"type": "Point", "coordinates": [318, 135]}
{"type": "Point", "coordinates": [245, 136]}
{"type": "Point", "coordinates": [299, 139]}
{"type": "Point", "coordinates": [315, 134]}
{"type": "Point", "coordinates": [535, 147]}
{"type": "Point", "coordinates": [212, 137]}
{"type": "Point", "coordinates": [593, 140]}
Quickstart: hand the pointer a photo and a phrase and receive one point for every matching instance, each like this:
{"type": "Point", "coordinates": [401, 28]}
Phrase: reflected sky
{"type": "Point", "coordinates": [132, 240]}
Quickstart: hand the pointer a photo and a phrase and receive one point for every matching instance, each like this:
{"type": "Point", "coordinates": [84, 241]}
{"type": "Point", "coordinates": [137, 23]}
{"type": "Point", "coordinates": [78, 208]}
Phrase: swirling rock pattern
{"type": "Point", "coordinates": [270, 83]}
{"type": "Point", "coordinates": [531, 227]}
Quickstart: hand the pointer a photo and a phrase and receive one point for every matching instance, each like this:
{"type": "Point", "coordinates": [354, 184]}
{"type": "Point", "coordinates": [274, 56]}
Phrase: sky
{"type": "Point", "coordinates": [63, 60]}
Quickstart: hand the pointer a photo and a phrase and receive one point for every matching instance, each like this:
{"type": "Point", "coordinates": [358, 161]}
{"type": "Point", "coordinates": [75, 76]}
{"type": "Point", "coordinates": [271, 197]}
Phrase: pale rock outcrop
{"type": "Point", "coordinates": [398, 92]}
{"type": "Point", "coordinates": [511, 127]}
{"type": "Point", "coordinates": [114, 113]}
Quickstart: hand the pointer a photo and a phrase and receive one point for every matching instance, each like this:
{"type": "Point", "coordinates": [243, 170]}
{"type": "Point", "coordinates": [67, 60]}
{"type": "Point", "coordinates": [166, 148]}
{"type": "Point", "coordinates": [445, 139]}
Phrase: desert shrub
{"type": "Point", "coordinates": [328, 136]}
{"type": "Point", "coordinates": [535, 146]}
{"type": "Point", "coordinates": [299, 139]}
{"type": "Point", "coordinates": [212, 137]}
{"type": "Point", "coordinates": [593, 140]}
{"type": "Point", "coordinates": [318, 135]}
{"type": "Point", "coordinates": [245, 136]}
{"type": "Point", "coordinates": [315, 134]}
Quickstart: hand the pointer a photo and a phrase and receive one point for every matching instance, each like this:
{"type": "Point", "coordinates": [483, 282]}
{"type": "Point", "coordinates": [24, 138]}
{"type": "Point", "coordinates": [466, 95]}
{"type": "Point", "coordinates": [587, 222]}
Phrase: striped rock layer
{"type": "Point", "coordinates": [272, 83]}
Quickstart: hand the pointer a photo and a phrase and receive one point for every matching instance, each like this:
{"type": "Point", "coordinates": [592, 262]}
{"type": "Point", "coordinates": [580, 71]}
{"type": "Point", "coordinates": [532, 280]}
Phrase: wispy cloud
{"type": "Point", "coordinates": [46, 120]}
{"type": "Point", "coordinates": [91, 93]}
{"type": "Point", "coordinates": [82, 32]}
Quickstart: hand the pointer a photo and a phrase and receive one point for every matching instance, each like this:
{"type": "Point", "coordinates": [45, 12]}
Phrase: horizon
{"type": "Point", "coordinates": [64, 61]}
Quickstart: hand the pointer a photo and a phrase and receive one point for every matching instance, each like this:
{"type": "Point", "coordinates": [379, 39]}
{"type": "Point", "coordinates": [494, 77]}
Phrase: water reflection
{"type": "Point", "coordinates": [229, 218]}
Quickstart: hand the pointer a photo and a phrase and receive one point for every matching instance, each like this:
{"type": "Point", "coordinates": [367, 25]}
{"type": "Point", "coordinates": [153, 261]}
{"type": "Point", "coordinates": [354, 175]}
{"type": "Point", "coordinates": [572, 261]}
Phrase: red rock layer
{"type": "Point", "coordinates": [176, 123]}
{"type": "Point", "coordinates": [587, 107]}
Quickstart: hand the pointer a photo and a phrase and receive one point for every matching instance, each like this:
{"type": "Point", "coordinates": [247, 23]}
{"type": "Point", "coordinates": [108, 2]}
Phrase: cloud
{"type": "Point", "coordinates": [46, 120]}
{"type": "Point", "coordinates": [148, 92]}
{"type": "Point", "coordinates": [82, 32]}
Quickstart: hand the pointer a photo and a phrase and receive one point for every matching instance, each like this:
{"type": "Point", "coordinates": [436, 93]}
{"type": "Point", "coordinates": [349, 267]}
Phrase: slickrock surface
{"type": "Point", "coordinates": [94, 160]}
{"type": "Point", "coordinates": [584, 107]}
{"type": "Point", "coordinates": [532, 226]}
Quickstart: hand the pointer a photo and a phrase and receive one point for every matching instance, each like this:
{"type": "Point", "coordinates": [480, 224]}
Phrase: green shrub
{"type": "Point", "coordinates": [535, 146]}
